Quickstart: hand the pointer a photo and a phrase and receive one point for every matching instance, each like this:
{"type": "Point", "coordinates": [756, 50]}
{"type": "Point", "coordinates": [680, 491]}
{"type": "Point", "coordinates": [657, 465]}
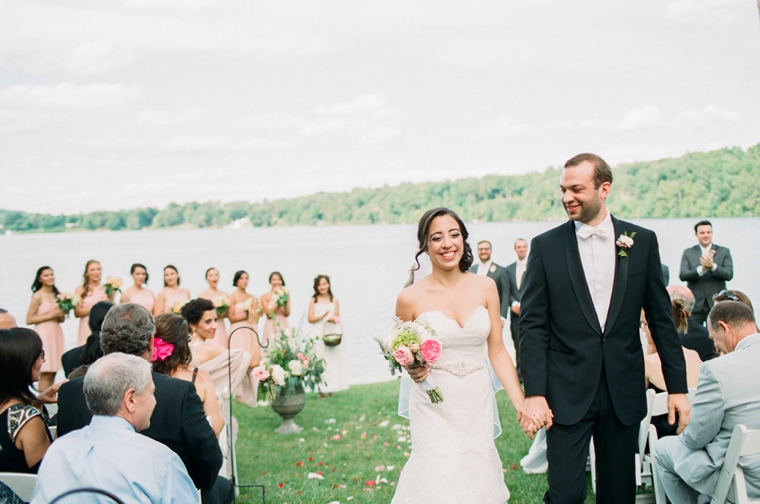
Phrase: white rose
{"type": "Point", "coordinates": [626, 240]}
{"type": "Point", "coordinates": [278, 375]}
{"type": "Point", "coordinates": [296, 368]}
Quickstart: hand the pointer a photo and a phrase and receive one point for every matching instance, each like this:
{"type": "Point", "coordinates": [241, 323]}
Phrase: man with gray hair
{"type": "Point", "coordinates": [120, 394]}
{"type": "Point", "coordinates": [7, 321]}
{"type": "Point", "coordinates": [696, 336]}
{"type": "Point", "coordinates": [727, 395]}
{"type": "Point", "coordinates": [178, 420]}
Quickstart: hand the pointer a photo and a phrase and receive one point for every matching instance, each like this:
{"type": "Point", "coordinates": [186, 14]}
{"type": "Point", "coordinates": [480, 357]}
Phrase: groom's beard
{"type": "Point", "coordinates": [589, 209]}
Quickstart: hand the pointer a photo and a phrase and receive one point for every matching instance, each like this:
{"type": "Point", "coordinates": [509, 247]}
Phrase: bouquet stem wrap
{"type": "Point", "coordinates": [433, 392]}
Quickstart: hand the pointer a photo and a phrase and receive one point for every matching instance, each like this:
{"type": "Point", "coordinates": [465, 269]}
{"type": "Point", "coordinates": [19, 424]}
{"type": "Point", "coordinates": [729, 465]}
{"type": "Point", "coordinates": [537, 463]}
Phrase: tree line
{"type": "Point", "coordinates": [720, 183]}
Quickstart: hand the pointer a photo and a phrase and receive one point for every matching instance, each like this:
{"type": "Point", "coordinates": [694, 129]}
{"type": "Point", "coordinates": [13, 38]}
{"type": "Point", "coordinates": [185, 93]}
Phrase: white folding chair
{"type": "Point", "coordinates": [659, 407]}
{"type": "Point", "coordinates": [643, 473]}
{"type": "Point", "coordinates": [731, 481]}
{"type": "Point", "coordinates": [22, 484]}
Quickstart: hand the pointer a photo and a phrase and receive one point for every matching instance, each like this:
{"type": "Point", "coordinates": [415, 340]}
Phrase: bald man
{"type": "Point", "coordinates": [696, 337]}
{"type": "Point", "coordinates": [6, 320]}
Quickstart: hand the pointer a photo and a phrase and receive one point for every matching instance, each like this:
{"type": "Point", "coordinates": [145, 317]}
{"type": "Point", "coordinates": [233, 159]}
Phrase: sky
{"type": "Point", "coordinates": [109, 104]}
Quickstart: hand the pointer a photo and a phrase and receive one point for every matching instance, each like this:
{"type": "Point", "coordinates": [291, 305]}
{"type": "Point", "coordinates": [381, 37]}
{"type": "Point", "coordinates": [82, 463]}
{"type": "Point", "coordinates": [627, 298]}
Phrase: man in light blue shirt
{"type": "Point", "coordinates": [108, 454]}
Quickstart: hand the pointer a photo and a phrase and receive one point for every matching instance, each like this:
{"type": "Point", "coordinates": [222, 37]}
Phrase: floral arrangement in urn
{"type": "Point", "coordinates": [113, 285]}
{"type": "Point", "coordinates": [290, 366]}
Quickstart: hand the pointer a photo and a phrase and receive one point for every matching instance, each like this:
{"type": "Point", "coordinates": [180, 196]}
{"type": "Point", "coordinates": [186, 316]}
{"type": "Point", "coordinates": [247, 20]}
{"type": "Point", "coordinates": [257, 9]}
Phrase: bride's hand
{"type": "Point", "coordinates": [419, 373]}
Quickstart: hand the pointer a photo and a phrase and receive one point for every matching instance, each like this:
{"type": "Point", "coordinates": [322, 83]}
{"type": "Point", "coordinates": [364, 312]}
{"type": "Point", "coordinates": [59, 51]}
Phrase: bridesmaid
{"type": "Point", "coordinates": [47, 316]}
{"type": "Point", "coordinates": [240, 316]}
{"type": "Point", "coordinates": [91, 291]}
{"type": "Point", "coordinates": [323, 308]}
{"type": "Point", "coordinates": [269, 305]}
{"type": "Point", "coordinates": [213, 294]}
{"type": "Point", "coordinates": [137, 293]}
{"type": "Point", "coordinates": [172, 294]}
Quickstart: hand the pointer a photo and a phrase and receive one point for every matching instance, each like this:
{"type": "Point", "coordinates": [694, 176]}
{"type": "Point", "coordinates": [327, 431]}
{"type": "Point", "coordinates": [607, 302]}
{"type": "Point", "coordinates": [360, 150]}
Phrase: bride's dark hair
{"type": "Point", "coordinates": [423, 228]}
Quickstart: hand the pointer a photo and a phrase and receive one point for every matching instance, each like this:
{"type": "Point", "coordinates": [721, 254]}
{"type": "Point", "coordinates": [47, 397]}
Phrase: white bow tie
{"type": "Point", "coordinates": [587, 231]}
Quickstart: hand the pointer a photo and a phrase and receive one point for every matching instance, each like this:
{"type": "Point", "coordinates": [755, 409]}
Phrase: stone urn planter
{"type": "Point", "coordinates": [288, 406]}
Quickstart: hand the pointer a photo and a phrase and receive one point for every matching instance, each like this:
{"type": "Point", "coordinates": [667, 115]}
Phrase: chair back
{"type": "Point", "coordinates": [644, 425]}
{"type": "Point", "coordinates": [22, 484]}
{"type": "Point", "coordinates": [743, 442]}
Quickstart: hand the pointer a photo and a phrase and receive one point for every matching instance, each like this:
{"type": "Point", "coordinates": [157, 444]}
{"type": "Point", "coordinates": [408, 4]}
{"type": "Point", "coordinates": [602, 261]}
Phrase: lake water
{"type": "Point", "coordinates": [368, 265]}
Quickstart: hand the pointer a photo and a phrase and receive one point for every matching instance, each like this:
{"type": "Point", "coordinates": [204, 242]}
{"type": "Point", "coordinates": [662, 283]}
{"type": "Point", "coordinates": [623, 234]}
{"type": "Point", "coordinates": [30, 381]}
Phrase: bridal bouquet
{"type": "Point", "coordinates": [412, 344]}
{"type": "Point", "coordinates": [221, 304]}
{"type": "Point", "coordinates": [281, 296]}
{"type": "Point", "coordinates": [289, 367]}
{"type": "Point", "coordinates": [67, 302]}
{"type": "Point", "coordinates": [112, 285]}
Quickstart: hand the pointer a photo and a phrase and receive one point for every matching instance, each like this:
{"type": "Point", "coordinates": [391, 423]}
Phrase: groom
{"type": "Point", "coordinates": [579, 338]}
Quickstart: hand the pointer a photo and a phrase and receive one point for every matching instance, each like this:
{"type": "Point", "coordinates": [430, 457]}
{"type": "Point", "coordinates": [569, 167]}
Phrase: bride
{"type": "Point", "coordinates": [454, 458]}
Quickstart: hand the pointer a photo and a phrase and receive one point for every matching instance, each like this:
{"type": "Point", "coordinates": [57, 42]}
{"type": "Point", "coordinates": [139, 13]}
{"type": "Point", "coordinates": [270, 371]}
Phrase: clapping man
{"type": "Point", "coordinates": [705, 268]}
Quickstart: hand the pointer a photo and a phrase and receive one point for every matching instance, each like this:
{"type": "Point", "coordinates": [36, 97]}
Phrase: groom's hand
{"type": "Point", "coordinates": [679, 403]}
{"type": "Point", "coordinates": [534, 407]}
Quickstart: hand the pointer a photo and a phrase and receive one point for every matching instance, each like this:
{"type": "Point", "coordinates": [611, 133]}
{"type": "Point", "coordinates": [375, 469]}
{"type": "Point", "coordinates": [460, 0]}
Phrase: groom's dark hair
{"type": "Point", "coordinates": [424, 228]}
{"type": "Point", "coordinates": [602, 171]}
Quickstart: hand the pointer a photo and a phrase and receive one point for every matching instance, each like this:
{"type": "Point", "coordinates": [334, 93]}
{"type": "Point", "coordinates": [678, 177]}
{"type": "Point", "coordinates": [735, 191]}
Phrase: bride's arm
{"type": "Point", "coordinates": [497, 353]}
{"type": "Point", "coordinates": [405, 311]}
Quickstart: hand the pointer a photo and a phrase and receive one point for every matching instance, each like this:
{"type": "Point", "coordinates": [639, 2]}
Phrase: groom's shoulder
{"type": "Point", "coordinates": [552, 234]}
{"type": "Point", "coordinates": [630, 227]}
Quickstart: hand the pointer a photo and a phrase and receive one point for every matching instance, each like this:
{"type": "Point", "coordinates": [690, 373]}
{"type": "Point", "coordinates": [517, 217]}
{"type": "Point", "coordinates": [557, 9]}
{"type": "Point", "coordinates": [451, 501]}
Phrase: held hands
{"type": "Point", "coordinates": [534, 414]}
{"type": "Point", "coordinates": [679, 403]}
{"type": "Point", "coordinates": [515, 308]}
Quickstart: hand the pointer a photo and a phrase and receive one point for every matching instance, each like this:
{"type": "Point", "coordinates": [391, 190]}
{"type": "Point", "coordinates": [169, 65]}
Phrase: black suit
{"type": "Point", "coordinates": [705, 286]}
{"type": "Point", "coordinates": [698, 339]}
{"type": "Point", "coordinates": [515, 294]}
{"type": "Point", "coordinates": [178, 421]}
{"type": "Point", "coordinates": [497, 273]}
{"type": "Point", "coordinates": [71, 360]}
{"type": "Point", "coordinates": [593, 380]}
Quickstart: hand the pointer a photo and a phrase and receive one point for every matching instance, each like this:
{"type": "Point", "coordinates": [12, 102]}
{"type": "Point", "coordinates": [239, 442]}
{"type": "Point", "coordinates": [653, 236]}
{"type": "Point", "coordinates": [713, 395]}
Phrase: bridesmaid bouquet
{"type": "Point", "coordinates": [281, 296]}
{"type": "Point", "coordinates": [67, 302]}
{"type": "Point", "coordinates": [222, 304]}
{"type": "Point", "coordinates": [412, 344]}
{"type": "Point", "coordinates": [177, 307]}
{"type": "Point", "coordinates": [112, 285]}
{"type": "Point", "coordinates": [252, 305]}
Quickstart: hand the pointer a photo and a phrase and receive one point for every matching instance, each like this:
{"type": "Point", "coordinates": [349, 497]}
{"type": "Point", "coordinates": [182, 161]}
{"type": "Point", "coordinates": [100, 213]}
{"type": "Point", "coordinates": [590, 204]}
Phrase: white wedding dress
{"type": "Point", "coordinates": [454, 458]}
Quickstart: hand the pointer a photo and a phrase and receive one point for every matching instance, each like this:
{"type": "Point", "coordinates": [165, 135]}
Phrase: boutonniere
{"type": "Point", "coordinates": [624, 242]}
{"type": "Point", "coordinates": [493, 268]}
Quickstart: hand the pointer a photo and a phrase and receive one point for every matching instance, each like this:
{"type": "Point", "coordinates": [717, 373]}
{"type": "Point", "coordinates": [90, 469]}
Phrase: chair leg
{"type": "Point", "coordinates": [659, 491]}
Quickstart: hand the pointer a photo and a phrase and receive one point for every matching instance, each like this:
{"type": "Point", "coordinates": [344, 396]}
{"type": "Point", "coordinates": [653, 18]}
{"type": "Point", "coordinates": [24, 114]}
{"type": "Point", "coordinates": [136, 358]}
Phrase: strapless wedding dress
{"type": "Point", "coordinates": [454, 458]}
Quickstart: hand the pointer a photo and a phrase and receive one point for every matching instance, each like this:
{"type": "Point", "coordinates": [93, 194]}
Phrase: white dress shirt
{"type": "Point", "coordinates": [109, 454]}
{"type": "Point", "coordinates": [522, 265]}
{"type": "Point", "coordinates": [484, 267]}
{"type": "Point", "coordinates": [597, 249]}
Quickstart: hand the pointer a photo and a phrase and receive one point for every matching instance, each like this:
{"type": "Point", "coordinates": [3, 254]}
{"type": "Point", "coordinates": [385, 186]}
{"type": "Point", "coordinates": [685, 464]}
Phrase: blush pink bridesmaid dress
{"type": "Point", "coordinates": [52, 339]}
{"type": "Point", "coordinates": [97, 294]}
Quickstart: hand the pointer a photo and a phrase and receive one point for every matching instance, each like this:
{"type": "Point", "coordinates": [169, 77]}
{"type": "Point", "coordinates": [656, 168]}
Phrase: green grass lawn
{"type": "Point", "coordinates": [373, 445]}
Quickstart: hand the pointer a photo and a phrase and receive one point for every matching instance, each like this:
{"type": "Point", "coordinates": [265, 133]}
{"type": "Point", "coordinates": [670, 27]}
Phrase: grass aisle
{"type": "Point", "coordinates": [353, 440]}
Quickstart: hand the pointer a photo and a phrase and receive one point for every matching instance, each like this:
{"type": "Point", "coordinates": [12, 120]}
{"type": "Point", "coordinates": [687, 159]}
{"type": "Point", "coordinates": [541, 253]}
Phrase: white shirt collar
{"type": "Point", "coordinates": [707, 249]}
{"type": "Point", "coordinates": [605, 225]}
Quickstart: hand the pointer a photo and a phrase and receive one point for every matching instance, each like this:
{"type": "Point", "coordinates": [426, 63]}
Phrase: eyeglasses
{"type": "Point", "coordinates": [729, 296]}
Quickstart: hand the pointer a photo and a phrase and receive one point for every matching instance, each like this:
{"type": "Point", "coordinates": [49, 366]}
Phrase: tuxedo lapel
{"type": "Point", "coordinates": [578, 277]}
{"type": "Point", "coordinates": [621, 279]}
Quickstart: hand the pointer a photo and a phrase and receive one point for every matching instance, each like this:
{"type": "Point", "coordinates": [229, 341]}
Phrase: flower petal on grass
{"type": "Point", "coordinates": [336, 437]}
{"type": "Point", "coordinates": [379, 468]}
{"type": "Point", "coordinates": [315, 476]}
{"type": "Point", "coordinates": [384, 423]}
{"type": "Point", "coordinates": [364, 435]}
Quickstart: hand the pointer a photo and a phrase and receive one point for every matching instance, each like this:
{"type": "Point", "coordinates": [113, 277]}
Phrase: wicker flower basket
{"type": "Point", "coordinates": [332, 333]}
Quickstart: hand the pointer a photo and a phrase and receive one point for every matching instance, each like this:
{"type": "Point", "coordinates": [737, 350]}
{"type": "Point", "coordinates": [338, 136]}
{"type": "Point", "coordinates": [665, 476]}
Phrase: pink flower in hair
{"type": "Point", "coordinates": [161, 350]}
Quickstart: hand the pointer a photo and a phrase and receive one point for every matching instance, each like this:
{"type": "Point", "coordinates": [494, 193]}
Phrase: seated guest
{"type": "Point", "coordinates": [653, 376]}
{"type": "Point", "coordinates": [689, 464]}
{"type": "Point", "coordinates": [733, 295]}
{"type": "Point", "coordinates": [178, 420]}
{"type": "Point", "coordinates": [7, 320]}
{"type": "Point", "coordinates": [202, 319]}
{"type": "Point", "coordinates": [24, 437]}
{"type": "Point", "coordinates": [76, 360]}
{"type": "Point", "coordinates": [694, 335]}
{"type": "Point", "coordinates": [108, 454]}
{"type": "Point", "coordinates": [172, 357]}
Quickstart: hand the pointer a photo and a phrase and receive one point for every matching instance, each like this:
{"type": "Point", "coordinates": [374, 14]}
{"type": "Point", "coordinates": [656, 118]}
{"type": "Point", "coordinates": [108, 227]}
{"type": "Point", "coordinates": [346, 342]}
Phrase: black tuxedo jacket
{"type": "Point", "coordinates": [498, 274]}
{"type": "Point", "coordinates": [178, 421]}
{"type": "Point", "coordinates": [711, 282]}
{"type": "Point", "coordinates": [562, 346]}
{"type": "Point", "coordinates": [515, 294]}
{"type": "Point", "coordinates": [698, 339]}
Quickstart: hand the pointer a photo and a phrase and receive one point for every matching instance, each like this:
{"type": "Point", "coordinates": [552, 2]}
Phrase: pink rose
{"type": "Point", "coordinates": [403, 356]}
{"type": "Point", "coordinates": [431, 350]}
{"type": "Point", "coordinates": [260, 373]}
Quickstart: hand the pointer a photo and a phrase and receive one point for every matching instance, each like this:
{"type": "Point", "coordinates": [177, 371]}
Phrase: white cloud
{"type": "Point", "coordinates": [70, 97]}
{"type": "Point", "coordinates": [106, 144]}
{"type": "Point", "coordinates": [96, 57]}
{"type": "Point", "coordinates": [21, 121]}
{"type": "Point", "coordinates": [196, 145]}
{"type": "Point", "coordinates": [360, 105]}
{"type": "Point", "coordinates": [157, 118]}
{"type": "Point", "coordinates": [503, 127]}
{"type": "Point", "coordinates": [379, 136]}
{"type": "Point", "coordinates": [706, 117]}
{"type": "Point", "coordinates": [326, 125]}
{"type": "Point", "coordinates": [645, 117]}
